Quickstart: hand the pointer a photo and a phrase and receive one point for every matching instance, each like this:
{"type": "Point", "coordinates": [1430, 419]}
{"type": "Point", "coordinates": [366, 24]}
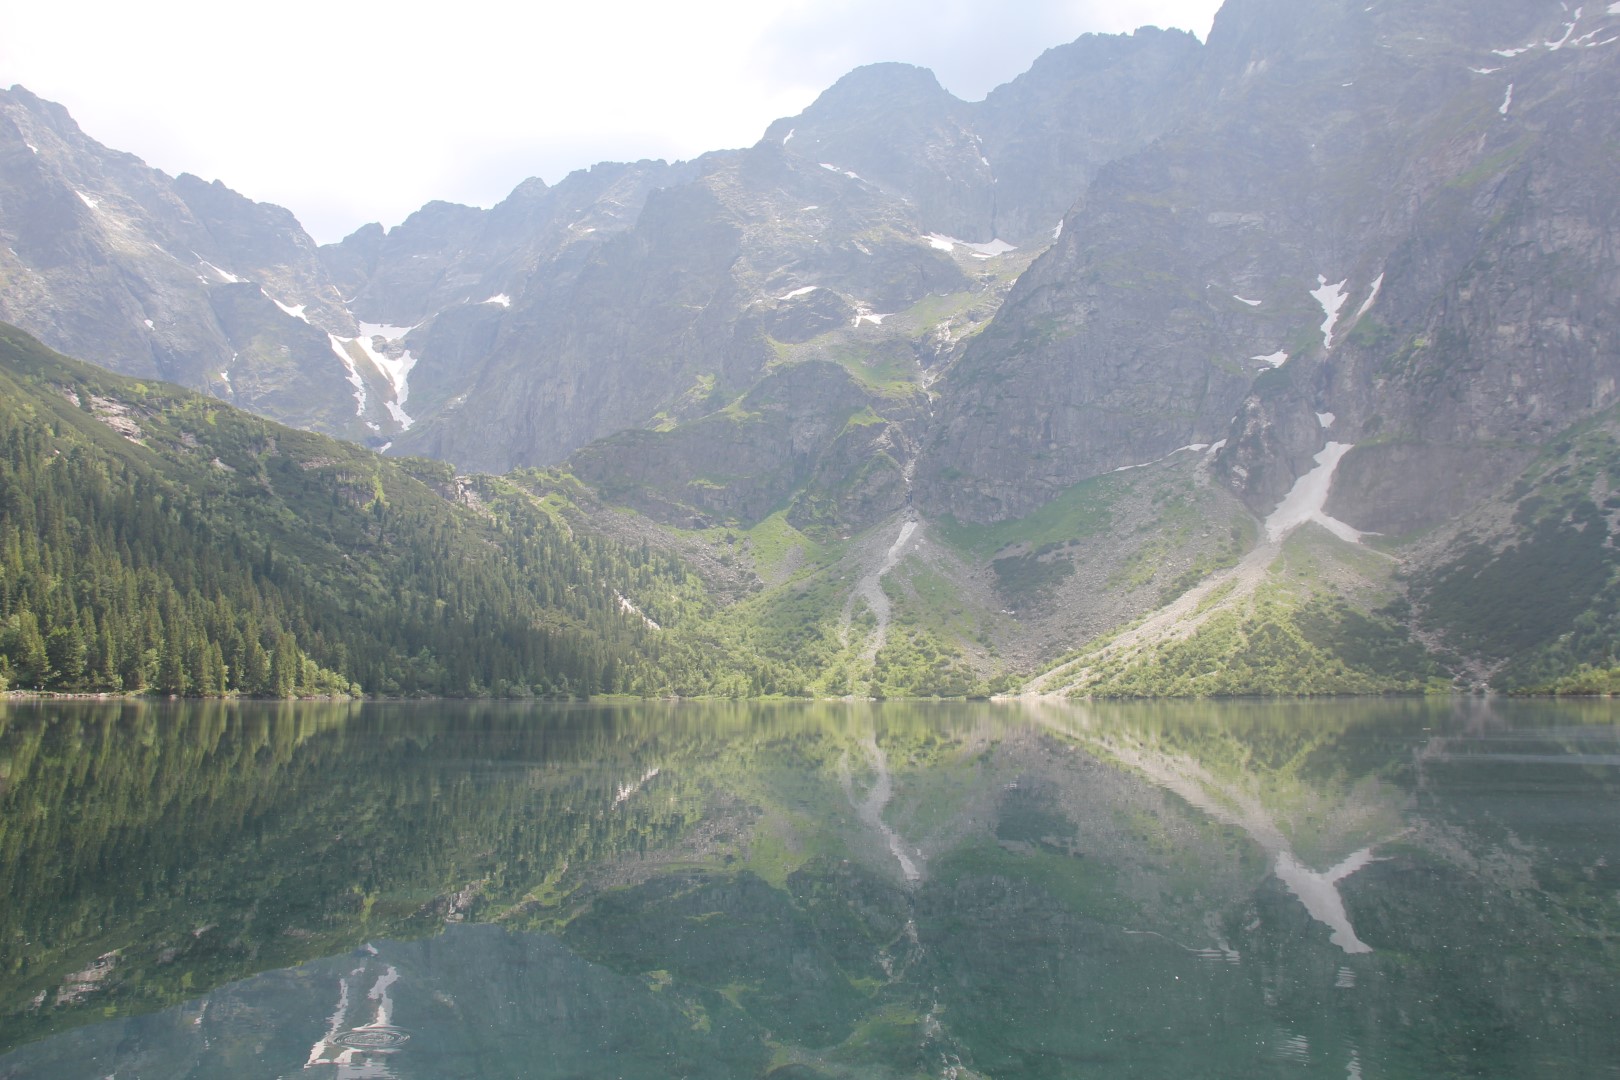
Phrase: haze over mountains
{"type": "Point", "coordinates": [1349, 267]}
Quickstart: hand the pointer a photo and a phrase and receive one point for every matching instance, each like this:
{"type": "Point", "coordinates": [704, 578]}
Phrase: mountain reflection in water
{"type": "Point", "coordinates": [809, 890]}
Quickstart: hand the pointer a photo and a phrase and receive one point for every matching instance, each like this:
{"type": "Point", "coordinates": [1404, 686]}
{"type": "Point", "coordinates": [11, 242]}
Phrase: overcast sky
{"type": "Point", "coordinates": [350, 111]}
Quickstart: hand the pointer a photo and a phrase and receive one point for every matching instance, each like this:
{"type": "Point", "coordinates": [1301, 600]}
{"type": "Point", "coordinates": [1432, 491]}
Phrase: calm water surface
{"type": "Point", "coordinates": [1354, 890]}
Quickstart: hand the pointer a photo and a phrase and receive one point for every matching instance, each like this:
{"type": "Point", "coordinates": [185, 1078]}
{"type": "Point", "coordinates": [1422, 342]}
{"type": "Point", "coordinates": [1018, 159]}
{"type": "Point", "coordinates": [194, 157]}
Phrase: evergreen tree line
{"type": "Point", "coordinates": [104, 589]}
{"type": "Point", "coordinates": [223, 554]}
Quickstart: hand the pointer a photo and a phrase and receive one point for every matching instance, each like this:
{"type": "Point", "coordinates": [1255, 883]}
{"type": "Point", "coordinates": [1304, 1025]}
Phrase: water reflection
{"type": "Point", "coordinates": [362, 1050]}
{"type": "Point", "coordinates": [812, 890]}
{"type": "Point", "coordinates": [1235, 798]}
{"type": "Point", "coordinates": [870, 809]}
{"type": "Point", "coordinates": [1319, 892]}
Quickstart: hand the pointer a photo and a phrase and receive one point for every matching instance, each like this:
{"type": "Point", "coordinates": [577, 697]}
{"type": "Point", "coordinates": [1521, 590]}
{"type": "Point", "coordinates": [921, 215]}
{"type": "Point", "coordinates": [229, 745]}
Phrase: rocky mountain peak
{"type": "Point", "coordinates": [39, 113]}
{"type": "Point", "coordinates": [880, 88]}
{"type": "Point", "coordinates": [1204, 206]}
{"type": "Point", "coordinates": [1213, 287]}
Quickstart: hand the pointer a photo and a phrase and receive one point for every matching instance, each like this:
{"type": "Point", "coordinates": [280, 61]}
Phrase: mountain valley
{"type": "Point", "coordinates": [1282, 363]}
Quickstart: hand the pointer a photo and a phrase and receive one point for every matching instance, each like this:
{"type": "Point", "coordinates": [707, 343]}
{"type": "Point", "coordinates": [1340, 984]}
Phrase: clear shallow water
{"type": "Point", "coordinates": [1367, 889]}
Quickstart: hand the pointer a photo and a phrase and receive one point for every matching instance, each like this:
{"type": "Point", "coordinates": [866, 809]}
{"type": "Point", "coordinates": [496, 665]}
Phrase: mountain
{"type": "Point", "coordinates": [155, 539]}
{"type": "Point", "coordinates": [1273, 363]}
{"type": "Point", "coordinates": [883, 199]}
{"type": "Point", "coordinates": [169, 278]}
{"type": "Point", "coordinates": [1374, 267]}
{"type": "Point", "coordinates": [1364, 217]}
{"type": "Point", "coordinates": [480, 336]}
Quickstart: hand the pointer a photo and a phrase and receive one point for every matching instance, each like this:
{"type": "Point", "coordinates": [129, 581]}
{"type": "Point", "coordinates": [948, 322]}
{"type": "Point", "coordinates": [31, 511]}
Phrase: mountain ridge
{"type": "Point", "coordinates": [1071, 351]}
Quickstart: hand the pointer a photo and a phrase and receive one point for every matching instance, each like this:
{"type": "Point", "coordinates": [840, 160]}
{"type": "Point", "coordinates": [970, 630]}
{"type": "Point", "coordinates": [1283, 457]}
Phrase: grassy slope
{"type": "Point", "coordinates": [1320, 617]}
{"type": "Point", "coordinates": [1522, 592]}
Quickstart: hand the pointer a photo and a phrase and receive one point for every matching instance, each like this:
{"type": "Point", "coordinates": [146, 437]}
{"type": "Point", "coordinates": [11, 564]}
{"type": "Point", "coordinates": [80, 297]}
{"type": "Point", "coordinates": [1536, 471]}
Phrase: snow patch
{"type": "Point", "coordinates": [1251, 303]}
{"type": "Point", "coordinates": [1057, 233]}
{"type": "Point", "coordinates": [1276, 359]}
{"type": "Point", "coordinates": [980, 251]}
{"type": "Point", "coordinates": [87, 200]}
{"type": "Point", "coordinates": [790, 135]}
{"type": "Point", "coordinates": [149, 325]}
{"type": "Point", "coordinates": [836, 169]}
{"type": "Point", "coordinates": [874, 318]}
{"type": "Point", "coordinates": [224, 275]}
{"type": "Point", "coordinates": [1305, 500]}
{"type": "Point", "coordinates": [1569, 32]}
{"type": "Point", "coordinates": [1484, 71]}
{"type": "Point", "coordinates": [32, 147]}
{"type": "Point", "coordinates": [796, 293]}
{"type": "Point", "coordinates": [383, 330]}
{"type": "Point", "coordinates": [396, 371]}
{"type": "Point", "coordinates": [1332, 298]}
{"type": "Point", "coordinates": [1372, 297]}
{"type": "Point", "coordinates": [990, 250]}
{"type": "Point", "coordinates": [295, 312]}
{"type": "Point", "coordinates": [1507, 102]}
{"type": "Point", "coordinates": [1197, 448]}
{"type": "Point", "coordinates": [359, 384]}
{"type": "Point", "coordinates": [1325, 419]}
{"type": "Point", "coordinates": [1614, 9]}
{"type": "Point", "coordinates": [500, 298]}
{"type": "Point", "coordinates": [1511, 53]}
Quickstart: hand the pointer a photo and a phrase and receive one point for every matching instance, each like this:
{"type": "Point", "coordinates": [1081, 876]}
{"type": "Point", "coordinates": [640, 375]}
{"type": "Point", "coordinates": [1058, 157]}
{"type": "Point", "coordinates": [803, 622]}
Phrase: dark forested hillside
{"type": "Point", "coordinates": [153, 539]}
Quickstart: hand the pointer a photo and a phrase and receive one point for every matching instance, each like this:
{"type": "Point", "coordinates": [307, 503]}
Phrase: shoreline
{"type": "Point", "coordinates": [603, 699]}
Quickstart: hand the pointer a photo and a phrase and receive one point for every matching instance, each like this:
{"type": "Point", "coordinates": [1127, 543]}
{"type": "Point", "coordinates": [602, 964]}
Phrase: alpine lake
{"type": "Point", "coordinates": [1349, 889]}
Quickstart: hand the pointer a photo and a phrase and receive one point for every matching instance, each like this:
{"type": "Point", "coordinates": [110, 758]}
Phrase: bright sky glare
{"type": "Point", "coordinates": [362, 111]}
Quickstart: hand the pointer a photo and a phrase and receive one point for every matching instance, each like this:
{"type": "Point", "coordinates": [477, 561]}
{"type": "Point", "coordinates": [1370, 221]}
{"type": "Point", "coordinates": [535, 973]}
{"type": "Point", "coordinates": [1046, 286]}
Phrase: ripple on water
{"type": "Point", "coordinates": [374, 1038]}
{"type": "Point", "coordinates": [1295, 1048]}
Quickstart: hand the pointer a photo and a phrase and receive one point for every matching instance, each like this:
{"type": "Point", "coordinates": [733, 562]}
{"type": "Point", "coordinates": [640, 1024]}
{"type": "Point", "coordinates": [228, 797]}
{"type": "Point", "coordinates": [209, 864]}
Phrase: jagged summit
{"type": "Point", "coordinates": [879, 87]}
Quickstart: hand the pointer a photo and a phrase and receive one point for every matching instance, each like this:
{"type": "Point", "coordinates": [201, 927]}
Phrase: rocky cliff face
{"type": "Point", "coordinates": [882, 195]}
{"type": "Point", "coordinates": [627, 296]}
{"type": "Point", "coordinates": [175, 278]}
{"type": "Point", "coordinates": [1371, 226]}
{"type": "Point", "coordinates": [1329, 224]}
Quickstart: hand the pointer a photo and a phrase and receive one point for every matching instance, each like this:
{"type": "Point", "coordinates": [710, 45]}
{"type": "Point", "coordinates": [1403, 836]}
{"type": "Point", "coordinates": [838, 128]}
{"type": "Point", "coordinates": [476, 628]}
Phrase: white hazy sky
{"type": "Point", "coordinates": [350, 111]}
